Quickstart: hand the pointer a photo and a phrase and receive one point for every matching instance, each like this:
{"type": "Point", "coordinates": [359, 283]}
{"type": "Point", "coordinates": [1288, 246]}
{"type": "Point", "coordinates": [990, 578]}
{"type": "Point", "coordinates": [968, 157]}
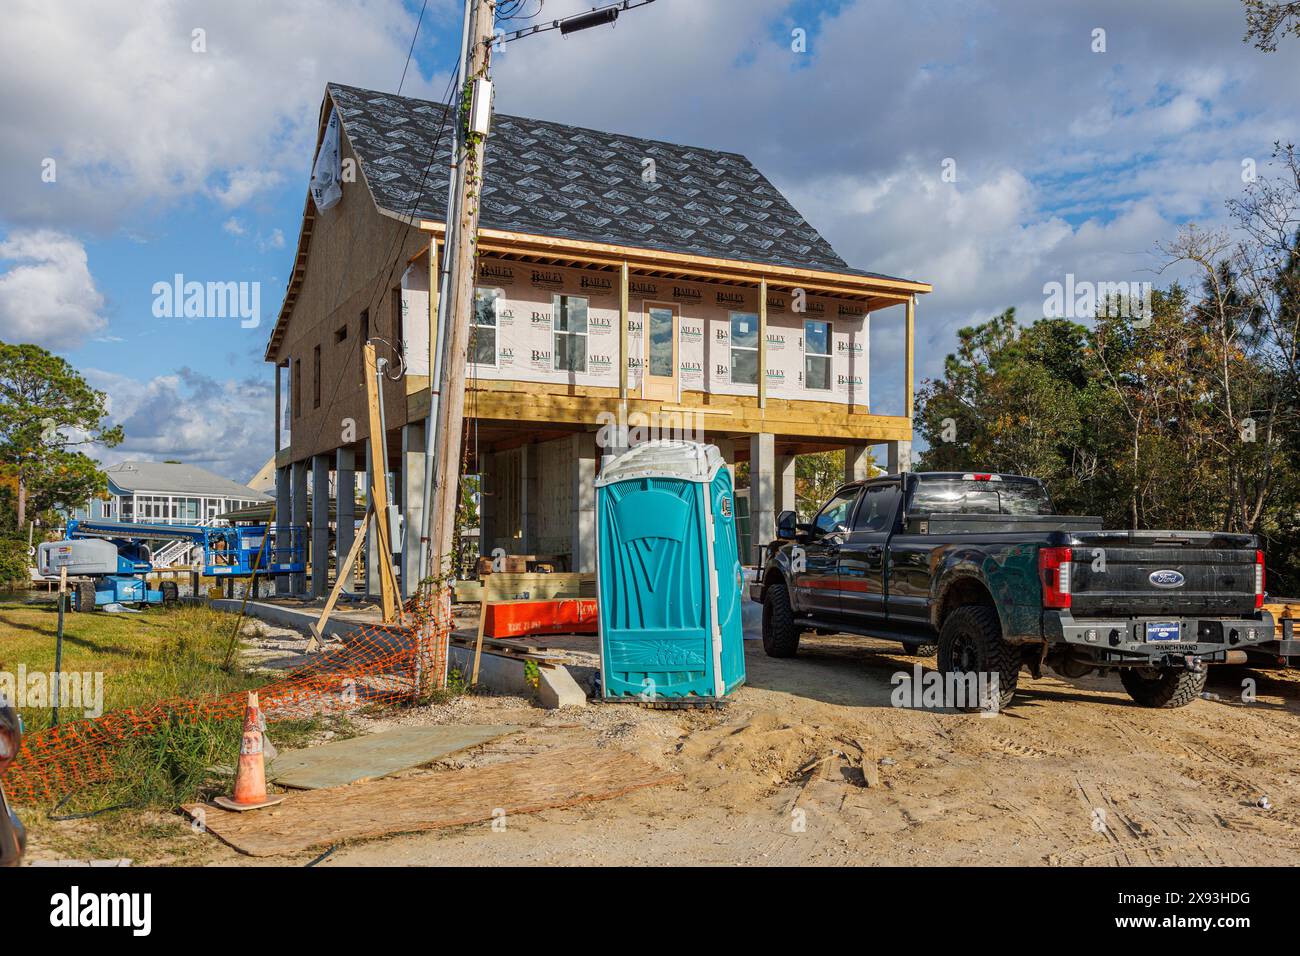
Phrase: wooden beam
{"type": "Point", "coordinates": [762, 342]}
{"type": "Point", "coordinates": [622, 329]}
{"type": "Point", "coordinates": [910, 336]}
{"type": "Point", "coordinates": [692, 262]}
{"type": "Point", "coordinates": [781, 417]}
{"type": "Point", "coordinates": [379, 489]}
{"type": "Point", "coordinates": [343, 572]}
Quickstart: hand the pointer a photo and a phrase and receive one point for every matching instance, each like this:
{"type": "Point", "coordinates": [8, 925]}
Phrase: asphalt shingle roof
{"type": "Point", "coordinates": [551, 179]}
{"type": "Point", "coordinates": [169, 478]}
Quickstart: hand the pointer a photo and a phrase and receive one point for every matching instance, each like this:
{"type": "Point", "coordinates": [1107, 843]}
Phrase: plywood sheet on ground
{"type": "Point", "coordinates": [319, 818]}
{"type": "Point", "coordinates": [342, 762]}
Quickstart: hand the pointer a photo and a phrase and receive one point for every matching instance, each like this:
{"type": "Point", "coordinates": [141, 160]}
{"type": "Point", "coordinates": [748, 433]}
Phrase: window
{"type": "Point", "coordinates": [744, 348]}
{"type": "Point", "coordinates": [108, 508]}
{"type": "Point", "coordinates": [877, 509]}
{"type": "Point", "coordinates": [315, 377]}
{"type": "Point", "coordinates": [817, 354]}
{"type": "Point", "coordinates": [570, 332]}
{"type": "Point", "coordinates": [1007, 496]}
{"type": "Point", "coordinates": [483, 333]}
{"type": "Point", "coordinates": [835, 516]}
{"type": "Point", "coordinates": [661, 342]}
{"type": "Point", "coordinates": [297, 387]}
{"type": "Point", "coordinates": [340, 334]}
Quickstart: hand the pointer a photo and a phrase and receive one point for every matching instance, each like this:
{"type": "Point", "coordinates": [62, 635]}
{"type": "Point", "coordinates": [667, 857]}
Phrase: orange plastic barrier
{"type": "Point", "coordinates": [376, 664]}
{"type": "Point", "coordinates": [522, 618]}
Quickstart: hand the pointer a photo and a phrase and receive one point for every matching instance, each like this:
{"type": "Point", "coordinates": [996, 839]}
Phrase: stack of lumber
{"type": "Point", "coordinates": [1283, 609]}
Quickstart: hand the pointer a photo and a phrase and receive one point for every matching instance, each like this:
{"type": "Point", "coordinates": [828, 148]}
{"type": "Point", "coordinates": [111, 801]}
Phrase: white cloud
{"type": "Point", "coordinates": [112, 90]}
{"type": "Point", "coordinates": [274, 241]}
{"type": "Point", "coordinates": [233, 226]}
{"type": "Point", "coordinates": [48, 296]}
{"type": "Point", "coordinates": [186, 415]}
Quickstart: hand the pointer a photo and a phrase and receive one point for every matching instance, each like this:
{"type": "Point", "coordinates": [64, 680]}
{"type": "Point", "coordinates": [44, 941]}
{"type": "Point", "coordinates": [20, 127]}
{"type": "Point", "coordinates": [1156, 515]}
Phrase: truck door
{"type": "Point", "coordinates": [863, 562]}
{"type": "Point", "coordinates": [815, 562]}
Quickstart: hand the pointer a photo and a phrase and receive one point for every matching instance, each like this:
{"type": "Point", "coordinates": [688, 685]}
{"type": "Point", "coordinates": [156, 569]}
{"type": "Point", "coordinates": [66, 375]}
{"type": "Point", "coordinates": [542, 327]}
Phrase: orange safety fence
{"type": "Point", "coordinates": [377, 664]}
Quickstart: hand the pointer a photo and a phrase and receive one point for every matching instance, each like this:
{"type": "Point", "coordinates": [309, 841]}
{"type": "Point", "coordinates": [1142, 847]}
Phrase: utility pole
{"type": "Point", "coordinates": [438, 322]}
{"type": "Point", "coordinates": [472, 107]}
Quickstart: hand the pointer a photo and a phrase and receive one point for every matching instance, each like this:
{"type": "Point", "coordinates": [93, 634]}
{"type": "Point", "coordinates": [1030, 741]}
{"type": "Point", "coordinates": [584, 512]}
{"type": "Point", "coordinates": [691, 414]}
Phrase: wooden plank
{"type": "Point", "coordinates": [317, 818]}
{"type": "Point", "coordinates": [379, 489]}
{"type": "Point", "coordinates": [342, 762]}
{"type": "Point", "coordinates": [762, 342]}
{"type": "Point", "coordinates": [344, 572]}
{"type": "Point", "coordinates": [1283, 609]}
{"type": "Point", "coordinates": [468, 592]}
{"type": "Point", "coordinates": [478, 642]}
{"type": "Point", "coordinates": [519, 587]}
{"type": "Point", "coordinates": [819, 420]}
{"type": "Point", "coordinates": [622, 330]}
{"type": "Point", "coordinates": [691, 262]}
{"type": "Point", "coordinates": [909, 348]}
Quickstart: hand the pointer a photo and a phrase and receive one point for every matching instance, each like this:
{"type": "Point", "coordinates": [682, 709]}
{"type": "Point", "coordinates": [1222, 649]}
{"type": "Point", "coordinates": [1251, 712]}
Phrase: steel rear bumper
{"type": "Point", "coordinates": [1124, 639]}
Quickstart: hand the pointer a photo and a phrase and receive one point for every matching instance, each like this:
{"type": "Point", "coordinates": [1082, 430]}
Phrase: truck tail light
{"type": "Point", "coordinates": [1259, 579]}
{"type": "Point", "coordinates": [1054, 570]}
{"type": "Point", "coordinates": [981, 477]}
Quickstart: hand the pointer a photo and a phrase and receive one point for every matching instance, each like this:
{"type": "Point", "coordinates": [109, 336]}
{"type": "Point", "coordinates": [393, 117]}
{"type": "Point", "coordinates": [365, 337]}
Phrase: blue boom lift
{"type": "Point", "coordinates": [112, 558]}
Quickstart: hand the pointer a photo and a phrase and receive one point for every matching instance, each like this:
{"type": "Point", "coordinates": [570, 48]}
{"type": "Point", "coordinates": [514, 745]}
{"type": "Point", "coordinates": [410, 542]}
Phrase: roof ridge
{"type": "Point", "coordinates": [535, 119]}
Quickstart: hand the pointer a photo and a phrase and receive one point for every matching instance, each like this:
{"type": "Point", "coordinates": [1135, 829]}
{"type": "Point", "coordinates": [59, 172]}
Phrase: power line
{"type": "Point", "coordinates": [400, 228]}
{"type": "Point", "coordinates": [412, 49]}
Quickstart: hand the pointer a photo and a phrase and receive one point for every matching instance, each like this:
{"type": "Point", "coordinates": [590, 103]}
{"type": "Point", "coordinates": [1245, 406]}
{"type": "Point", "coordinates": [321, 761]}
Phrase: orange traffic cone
{"type": "Point", "coordinates": [250, 778]}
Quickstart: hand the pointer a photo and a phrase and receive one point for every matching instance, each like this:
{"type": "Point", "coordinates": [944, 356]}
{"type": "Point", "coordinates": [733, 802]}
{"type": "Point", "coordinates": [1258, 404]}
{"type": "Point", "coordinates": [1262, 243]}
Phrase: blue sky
{"type": "Point", "coordinates": [174, 160]}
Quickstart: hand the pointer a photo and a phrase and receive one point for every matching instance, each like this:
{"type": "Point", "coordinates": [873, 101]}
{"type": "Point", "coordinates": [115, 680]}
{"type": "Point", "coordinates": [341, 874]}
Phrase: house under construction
{"type": "Point", "coordinates": [621, 281]}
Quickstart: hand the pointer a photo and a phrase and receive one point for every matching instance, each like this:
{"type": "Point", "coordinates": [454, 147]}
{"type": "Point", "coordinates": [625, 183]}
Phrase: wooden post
{"type": "Point", "coordinates": [909, 337]}
{"type": "Point", "coordinates": [762, 342]}
{"type": "Point", "coordinates": [622, 330]}
{"type": "Point", "coordinates": [451, 409]}
{"type": "Point", "coordinates": [275, 448]}
{"type": "Point", "coordinates": [379, 489]}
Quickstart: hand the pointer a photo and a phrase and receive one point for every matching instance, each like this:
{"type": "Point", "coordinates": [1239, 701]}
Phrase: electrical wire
{"type": "Point", "coordinates": [412, 49]}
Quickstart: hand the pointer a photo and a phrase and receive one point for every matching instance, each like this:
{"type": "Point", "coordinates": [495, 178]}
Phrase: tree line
{"type": "Point", "coordinates": [1184, 417]}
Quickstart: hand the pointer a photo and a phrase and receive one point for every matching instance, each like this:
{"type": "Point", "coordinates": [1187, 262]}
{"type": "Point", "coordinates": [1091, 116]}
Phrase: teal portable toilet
{"type": "Point", "coordinates": [668, 574]}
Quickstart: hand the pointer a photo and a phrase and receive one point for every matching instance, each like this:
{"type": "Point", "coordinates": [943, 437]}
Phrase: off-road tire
{"type": "Point", "coordinates": [170, 592]}
{"type": "Point", "coordinates": [971, 641]}
{"type": "Point", "coordinates": [1168, 689]}
{"type": "Point", "coordinates": [780, 634]}
{"type": "Point", "coordinates": [83, 596]}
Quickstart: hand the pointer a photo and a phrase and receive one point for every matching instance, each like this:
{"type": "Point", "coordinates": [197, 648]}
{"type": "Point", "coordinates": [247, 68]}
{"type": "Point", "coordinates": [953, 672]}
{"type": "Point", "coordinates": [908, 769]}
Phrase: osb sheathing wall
{"type": "Point", "coordinates": [353, 248]}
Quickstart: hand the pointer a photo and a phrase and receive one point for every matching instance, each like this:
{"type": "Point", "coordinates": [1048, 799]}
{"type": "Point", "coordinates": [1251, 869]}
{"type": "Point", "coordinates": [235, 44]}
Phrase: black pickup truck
{"type": "Point", "coordinates": [984, 567]}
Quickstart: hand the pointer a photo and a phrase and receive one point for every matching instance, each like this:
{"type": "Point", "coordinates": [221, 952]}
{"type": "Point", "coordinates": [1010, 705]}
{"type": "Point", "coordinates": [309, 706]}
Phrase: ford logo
{"type": "Point", "coordinates": [1166, 579]}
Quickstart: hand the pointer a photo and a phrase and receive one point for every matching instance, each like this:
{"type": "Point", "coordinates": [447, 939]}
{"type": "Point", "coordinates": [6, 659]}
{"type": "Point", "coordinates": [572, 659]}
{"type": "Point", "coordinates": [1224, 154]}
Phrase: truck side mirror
{"type": "Point", "coordinates": [786, 524]}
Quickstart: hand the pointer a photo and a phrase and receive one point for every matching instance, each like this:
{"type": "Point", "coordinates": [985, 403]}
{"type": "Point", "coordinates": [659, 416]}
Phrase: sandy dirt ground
{"type": "Point", "coordinates": [810, 763]}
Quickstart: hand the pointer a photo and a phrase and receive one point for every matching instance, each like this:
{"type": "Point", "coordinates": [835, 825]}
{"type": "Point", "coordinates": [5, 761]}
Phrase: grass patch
{"type": "Point", "coordinates": [143, 658]}
{"type": "Point", "coordinates": [182, 761]}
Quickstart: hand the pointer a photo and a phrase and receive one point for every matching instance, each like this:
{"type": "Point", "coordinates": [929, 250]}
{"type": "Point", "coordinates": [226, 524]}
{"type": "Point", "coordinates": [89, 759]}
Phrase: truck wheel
{"type": "Point", "coordinates": [971, 643]}
{"type": "Point", "coordinates": [83, 597]}
{"type": "Point", "coordinates": [170, 593]}
{"type": "Point", "coordinates": [780, 635]}
{"type": "Point", "coordinates": [1162, 688]}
